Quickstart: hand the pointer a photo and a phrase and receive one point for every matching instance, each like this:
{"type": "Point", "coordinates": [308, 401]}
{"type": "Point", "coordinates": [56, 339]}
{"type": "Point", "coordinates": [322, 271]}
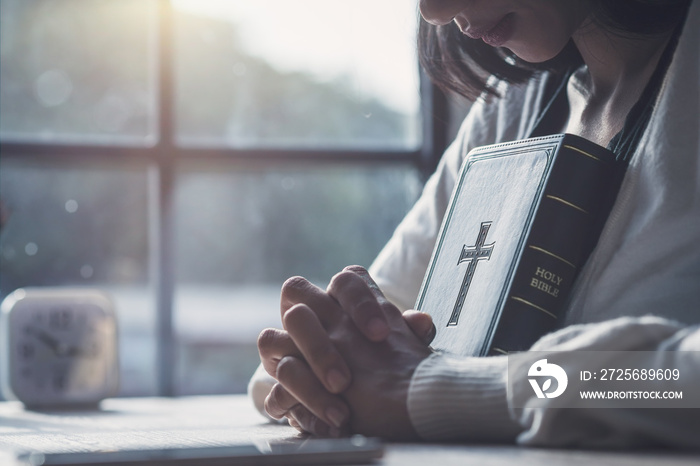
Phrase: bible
{"type": "Point", "coordinates": [522, 221]}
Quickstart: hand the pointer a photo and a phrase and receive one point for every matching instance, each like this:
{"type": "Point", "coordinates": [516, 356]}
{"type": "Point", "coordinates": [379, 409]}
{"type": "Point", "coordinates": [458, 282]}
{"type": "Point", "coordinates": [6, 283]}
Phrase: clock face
{"type": "Point", "coordinates": [61, 351]}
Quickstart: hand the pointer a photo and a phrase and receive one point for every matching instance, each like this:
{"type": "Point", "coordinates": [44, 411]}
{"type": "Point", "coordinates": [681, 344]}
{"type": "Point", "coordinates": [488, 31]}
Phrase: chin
{"type": "Point", "coordinates": [531, 56]}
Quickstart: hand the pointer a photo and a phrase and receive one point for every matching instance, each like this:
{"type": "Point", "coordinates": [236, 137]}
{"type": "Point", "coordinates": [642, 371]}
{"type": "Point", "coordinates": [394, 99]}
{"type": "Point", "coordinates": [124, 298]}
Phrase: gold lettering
{"type": "Point", "coordinates": [544, 286]}
{"type": "Point", "coordinates": [549, 276]}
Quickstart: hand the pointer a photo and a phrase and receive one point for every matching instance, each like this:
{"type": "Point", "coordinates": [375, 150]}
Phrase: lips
{"type": "Point", "coordinates": [494, 34]}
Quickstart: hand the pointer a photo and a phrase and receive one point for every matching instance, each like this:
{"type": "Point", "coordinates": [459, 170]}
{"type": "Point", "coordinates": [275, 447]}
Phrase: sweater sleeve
{"type": "Point", "coordinates": [452, 398]}
{"type": "Point", "coordinates": [660, 339]}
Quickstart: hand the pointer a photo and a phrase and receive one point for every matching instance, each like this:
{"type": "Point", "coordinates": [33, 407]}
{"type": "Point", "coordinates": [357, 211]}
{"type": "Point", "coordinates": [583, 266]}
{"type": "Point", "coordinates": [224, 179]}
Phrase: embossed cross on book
{"type": "Point", "coordinates": [471, 254]}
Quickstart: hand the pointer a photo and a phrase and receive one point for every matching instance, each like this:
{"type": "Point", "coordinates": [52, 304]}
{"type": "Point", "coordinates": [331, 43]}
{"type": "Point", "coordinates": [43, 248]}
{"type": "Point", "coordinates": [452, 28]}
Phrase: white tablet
{"type": "Point", "coordinates": [356, 450]}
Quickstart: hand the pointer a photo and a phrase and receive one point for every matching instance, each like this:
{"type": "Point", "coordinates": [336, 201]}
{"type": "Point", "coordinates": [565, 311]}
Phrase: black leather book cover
{"type": "Point", "coordinates": [521, 223]}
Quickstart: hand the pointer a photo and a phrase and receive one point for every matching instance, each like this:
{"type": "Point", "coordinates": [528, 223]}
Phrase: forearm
{"type": "Point", "coordinates": [452, 398]}
{"type": "Point", "coordinates": [456, 398]}
{"type": "Point", "coordinates": [617, 428]}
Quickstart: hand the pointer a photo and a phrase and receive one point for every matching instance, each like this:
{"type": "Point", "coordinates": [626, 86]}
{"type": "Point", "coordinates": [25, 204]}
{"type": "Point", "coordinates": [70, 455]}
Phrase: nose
{"type": "Point", "coordinates": [440, 12]}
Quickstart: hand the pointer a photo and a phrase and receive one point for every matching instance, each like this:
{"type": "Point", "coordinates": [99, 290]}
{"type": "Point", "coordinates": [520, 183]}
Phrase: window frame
{"type": "Point", "coordinates": [164, 156]}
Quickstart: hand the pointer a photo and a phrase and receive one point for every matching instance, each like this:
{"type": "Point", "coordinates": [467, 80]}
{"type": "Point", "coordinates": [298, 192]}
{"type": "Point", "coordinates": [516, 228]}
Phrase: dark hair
{"type": "Point", "coordinates": [457, 63]}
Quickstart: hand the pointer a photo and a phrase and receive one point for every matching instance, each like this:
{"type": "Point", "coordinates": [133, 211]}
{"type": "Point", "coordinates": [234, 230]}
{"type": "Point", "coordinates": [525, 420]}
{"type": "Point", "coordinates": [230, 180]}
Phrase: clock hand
{"type": "Point", "coordinates": [47, 339]}
{"type": "Point", "coordinates": [77, 351]}
{"type": "Point", "coordinates": [59, 349]}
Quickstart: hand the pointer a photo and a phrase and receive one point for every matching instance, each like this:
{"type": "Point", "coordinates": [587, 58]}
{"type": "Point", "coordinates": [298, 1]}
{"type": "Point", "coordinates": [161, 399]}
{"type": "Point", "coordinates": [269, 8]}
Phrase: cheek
{"type": "Point", "coordinates": [441, 12]}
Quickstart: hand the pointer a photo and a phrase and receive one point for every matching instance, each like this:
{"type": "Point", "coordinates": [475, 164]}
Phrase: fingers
{"type": "Point", "coordinates": [298, 290]}
{"type": "Point", "coordinates": [293, 422]}
{"type": "Point", "coordinates": [351, 291]}
{"type": "Point", "coordinates": [315, 345]}
{"type": "Point", "coordinates": [421, 324]}
{"type": "Point", "coordinates": [273, 345]}
{"type": "Point", "coordinates": [303, 420]}
{"type": "Point", "coordinates": [280, 403]}
{"type": "Point", "coordinates": [300, 384]}
{"type": "Point", "coordinates": [361, 298]}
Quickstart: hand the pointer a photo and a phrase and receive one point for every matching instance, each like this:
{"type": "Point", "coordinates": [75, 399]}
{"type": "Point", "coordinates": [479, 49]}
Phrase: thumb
{"type": "Point", "coordinates": [421, 324]}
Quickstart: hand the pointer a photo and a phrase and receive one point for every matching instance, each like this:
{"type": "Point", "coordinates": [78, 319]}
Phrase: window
{"type": "Point", "coordinates": [304, 73]}
{"type": "Point", "coordinates": [187, 156]}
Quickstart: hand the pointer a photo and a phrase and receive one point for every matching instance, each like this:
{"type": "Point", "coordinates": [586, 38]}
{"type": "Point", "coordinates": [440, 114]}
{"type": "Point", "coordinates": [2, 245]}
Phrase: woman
{"type": "Point", "coordinates": [623, 74]}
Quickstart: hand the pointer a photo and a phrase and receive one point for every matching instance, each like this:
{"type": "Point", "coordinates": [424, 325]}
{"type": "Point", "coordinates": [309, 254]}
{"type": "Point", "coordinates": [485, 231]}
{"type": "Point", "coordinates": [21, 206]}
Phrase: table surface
{"type": "Point", "coordinates": [135, 423]}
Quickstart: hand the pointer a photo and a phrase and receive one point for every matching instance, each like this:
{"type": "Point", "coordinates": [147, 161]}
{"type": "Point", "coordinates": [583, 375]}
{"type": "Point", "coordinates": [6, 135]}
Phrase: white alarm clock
{"type": "Point", "coordinates": [58, 347]}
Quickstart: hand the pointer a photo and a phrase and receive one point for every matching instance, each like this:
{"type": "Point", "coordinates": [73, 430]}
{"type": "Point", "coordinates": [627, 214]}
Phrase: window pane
{"type": "Point", "coordinates": [78, 71]}
{"type": "Point", "coordinates": [85, 227]}
{"type": "Point", "coordinates": [302, 73]}
{"type": "Point", "coordinates": [241, 231]}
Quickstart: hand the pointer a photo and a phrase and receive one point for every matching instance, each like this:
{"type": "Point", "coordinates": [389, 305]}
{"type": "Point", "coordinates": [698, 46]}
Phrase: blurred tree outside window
{"type": "Point", "coordinates": [309, 73]}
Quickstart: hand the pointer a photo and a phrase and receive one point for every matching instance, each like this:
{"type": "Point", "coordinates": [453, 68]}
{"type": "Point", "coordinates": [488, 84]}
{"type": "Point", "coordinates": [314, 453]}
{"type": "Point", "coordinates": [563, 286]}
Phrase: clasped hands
{"type": "Point", "coordinates": [344, 361]}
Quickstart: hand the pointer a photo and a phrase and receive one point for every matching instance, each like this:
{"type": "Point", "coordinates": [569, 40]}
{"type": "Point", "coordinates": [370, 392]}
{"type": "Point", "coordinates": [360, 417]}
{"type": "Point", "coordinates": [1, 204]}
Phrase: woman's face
{"type": "Point", "coordinates": [534, 30]}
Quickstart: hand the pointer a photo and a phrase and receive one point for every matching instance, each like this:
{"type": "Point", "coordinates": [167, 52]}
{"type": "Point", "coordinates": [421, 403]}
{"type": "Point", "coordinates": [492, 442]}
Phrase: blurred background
{"type": "Point", "coordinates": [188, 156]}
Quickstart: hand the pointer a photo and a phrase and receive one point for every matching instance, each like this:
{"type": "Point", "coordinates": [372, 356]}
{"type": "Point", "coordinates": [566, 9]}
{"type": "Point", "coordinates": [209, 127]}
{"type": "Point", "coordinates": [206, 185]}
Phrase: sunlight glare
{"type": "Point", "coordinates": [369, 42]}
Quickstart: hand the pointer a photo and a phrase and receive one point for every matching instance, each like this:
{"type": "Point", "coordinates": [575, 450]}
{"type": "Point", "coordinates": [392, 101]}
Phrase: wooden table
{"type": "Point", "coordinates": [131, 423]}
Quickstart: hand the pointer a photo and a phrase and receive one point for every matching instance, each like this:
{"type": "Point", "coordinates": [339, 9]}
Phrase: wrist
{"type": "Point", "coordinates": [453, 398]}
